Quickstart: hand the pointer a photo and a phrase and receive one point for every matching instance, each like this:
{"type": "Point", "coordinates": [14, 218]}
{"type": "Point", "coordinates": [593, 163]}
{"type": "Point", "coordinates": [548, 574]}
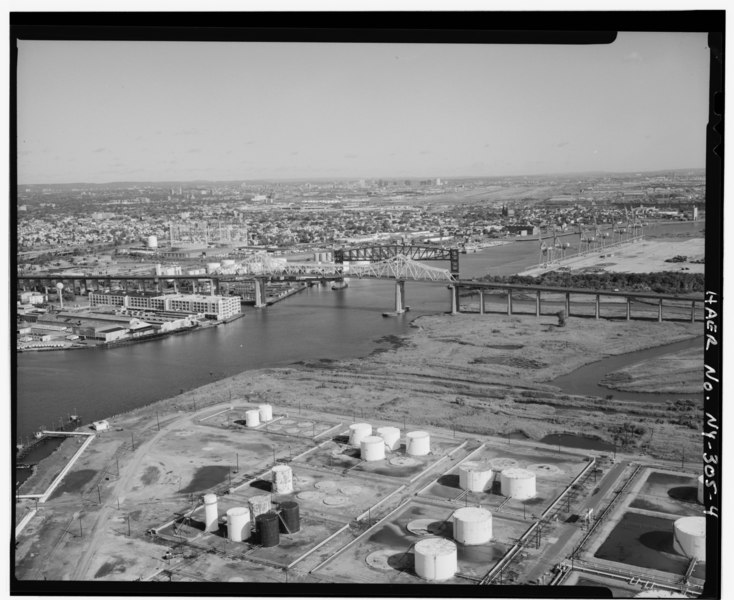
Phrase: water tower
{"type": "Point", "coordinates": [60, 287]}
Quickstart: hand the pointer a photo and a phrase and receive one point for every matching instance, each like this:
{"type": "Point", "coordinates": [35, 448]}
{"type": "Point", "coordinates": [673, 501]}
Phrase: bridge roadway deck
{"type": "Point", "coordinates": [466, 284]}
{"type": "Point", "coordinates": [482, 285]}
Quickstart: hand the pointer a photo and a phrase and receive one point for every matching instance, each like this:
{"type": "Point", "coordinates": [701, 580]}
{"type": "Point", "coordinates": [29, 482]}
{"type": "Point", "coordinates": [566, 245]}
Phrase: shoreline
{"type": "Point", "coordinates": [288, 383]}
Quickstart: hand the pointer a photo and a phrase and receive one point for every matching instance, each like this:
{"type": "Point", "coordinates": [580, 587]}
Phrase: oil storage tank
{"type": "Point", "coordinates": [266, 412]}
{"type": "Point", "coordinates": [357, 432]}
{"type": "Point", "coordinates": [472, 525]}
{"type": "Point", "coordinates": [259, 505]}
{"type": "Point", "coordinates": [418, 443]}
{"type": "Point", "coordinates": [689, 537]}
{"type": "Point", "coordinates": [238, 524]}
{"type": "Point", "coordinates": [435, 559]}
{"type": "Point", "coordinates": [252, 418]}
{"type": "Point", "coordinates": [372, 448]}
{"type": "Point", "coordinates": [268, 529]}
{"type": "Point", "coordinates": [211, 516]}
{"type": "Point", "coordinates": [475, 476]}
{"type": "Point", "coordinates": [290, 517]}
{"type": "Point", "coordinates": [517, 483]}
{"type": "Point", "coordinates": [391, 435]}
{"type": "Point", "coordinates": [282, 479]}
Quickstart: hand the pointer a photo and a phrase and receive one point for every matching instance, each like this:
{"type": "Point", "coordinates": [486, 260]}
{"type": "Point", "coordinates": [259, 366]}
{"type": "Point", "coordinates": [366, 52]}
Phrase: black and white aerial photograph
{"type": "Point", "coordinates": [302, 310]}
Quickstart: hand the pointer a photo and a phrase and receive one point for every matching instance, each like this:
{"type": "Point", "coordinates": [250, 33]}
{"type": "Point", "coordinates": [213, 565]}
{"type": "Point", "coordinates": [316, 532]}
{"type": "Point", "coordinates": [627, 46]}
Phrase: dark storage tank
{"type": "Point", "coordinates": [290, 517]}
{"type": "Point", "coordinates": [267, 527]}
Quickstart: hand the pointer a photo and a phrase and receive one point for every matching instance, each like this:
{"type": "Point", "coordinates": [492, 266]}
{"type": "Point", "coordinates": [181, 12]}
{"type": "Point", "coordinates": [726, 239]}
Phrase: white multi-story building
{"type": "Point", "coordinates": [218, 307]}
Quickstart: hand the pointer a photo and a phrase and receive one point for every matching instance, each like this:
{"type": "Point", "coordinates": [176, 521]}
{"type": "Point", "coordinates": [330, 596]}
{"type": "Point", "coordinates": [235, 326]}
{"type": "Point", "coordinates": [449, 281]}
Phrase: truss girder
{"type": "Point", "coordinates": [379, 253]}
{"type": "Point", "coordinates": [400, 267]}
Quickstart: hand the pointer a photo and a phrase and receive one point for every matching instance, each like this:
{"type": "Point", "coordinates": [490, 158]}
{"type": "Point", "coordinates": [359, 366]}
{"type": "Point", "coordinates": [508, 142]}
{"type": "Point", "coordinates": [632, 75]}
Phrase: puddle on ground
{"type": "Point", "coordinates": [74, 482]}
{"type": "Point", "coordinates": [206, 477]}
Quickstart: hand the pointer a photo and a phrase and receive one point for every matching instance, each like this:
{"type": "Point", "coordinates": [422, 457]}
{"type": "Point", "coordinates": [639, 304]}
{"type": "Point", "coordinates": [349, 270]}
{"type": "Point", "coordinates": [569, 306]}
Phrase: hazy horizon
{"type": "Point", "coordinates": [106, 112]}
{"type": "Point", "coordinates": [348, 178]}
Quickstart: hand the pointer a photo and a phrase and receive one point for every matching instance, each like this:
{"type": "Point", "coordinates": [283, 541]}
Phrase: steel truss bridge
{"type": "Point", "coordinates": [385, 252]}
{"type": "Point", "coordinates": [398, 262]}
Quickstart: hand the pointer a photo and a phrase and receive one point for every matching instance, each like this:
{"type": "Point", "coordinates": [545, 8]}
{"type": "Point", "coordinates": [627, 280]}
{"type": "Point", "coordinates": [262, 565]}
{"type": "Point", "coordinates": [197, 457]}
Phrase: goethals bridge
{"type": "Point", "coordinates": [400, 263]}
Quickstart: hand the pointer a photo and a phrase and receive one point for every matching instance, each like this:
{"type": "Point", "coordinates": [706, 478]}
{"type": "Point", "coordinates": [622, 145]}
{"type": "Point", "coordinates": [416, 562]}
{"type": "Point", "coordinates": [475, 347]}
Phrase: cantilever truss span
{"type": "Point", "coordinates": [400, 267]}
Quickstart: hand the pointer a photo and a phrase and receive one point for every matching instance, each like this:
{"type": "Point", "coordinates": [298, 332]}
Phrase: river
{"type": "Point", "coordinates": [317, 323]}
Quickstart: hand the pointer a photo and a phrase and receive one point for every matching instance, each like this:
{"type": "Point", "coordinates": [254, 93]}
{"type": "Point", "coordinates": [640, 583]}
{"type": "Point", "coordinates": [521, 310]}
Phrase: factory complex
{"type": "Point", "coordinates": [249, 492]}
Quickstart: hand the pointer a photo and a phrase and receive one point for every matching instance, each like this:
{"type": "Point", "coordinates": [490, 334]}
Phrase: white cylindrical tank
{"type": "Point", "coordinates": [211, 517]}
{"type": "Point", "coordinates": [418, 443]}
{"type": "Point", "coordinates": [391, 436]}
{"type": "Point", "coordinates": [700, 489]}
{"type": "Point", "coordinates": [435, 559]}
{"type": "Point", "coordinates": [372, 448]}
{"type": "Point", "coordinates": [152, 242]}
{"type": "Point", "coordinates": [266, 412]}
{"type": "Point", "coordinates": [282, 479]}
{"type": "Point", "coordinates": [517, 483]}
{"type": "Point", "coordinates": [259, 505]}
{"type": "Point", "coordinates": [475, 476]}
{"type": "Point", "coordinates": [689, 537]}
{"type": "Point", "coordinates": [238, 524]}
{"type": "Point", "coordinates": [472, 525]}
{"type": "Point", "coordinates": [357, 432]}
{"type": "Point", "coordinates": [252, 418]}
{"type": "Point", "coordinates": [212, 266]}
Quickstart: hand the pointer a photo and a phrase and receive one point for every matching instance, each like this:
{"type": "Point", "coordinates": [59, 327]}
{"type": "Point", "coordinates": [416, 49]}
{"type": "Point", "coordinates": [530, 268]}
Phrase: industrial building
{"type": "Point", "coordinates": [210, 307]}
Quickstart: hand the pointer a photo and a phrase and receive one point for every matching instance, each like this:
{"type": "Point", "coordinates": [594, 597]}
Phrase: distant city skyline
{"type": "Point", "coordinates": [98, 112]}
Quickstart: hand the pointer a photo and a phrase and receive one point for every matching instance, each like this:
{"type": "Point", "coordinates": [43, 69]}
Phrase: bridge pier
{"type": "Point", "coordinates": [596, 307]}
{"type": "Point", "coordinates": [537, 303]}
{"type": "Point", "coordinates": [481, 302]}
{"type": "Point", "coordinates": [399, 296]}
{"type": "Point", "coordinates": [454, 290]}
{"type": "Point", "coordinates": [660, 310]}
{"type": "Point", "coordinates": [693, 311]}
{"type": "Point", "coordinates": [629, 308]}
{"type": "Point", "coordinates": [260, 293]}
{"type": "Point", "coordinates": [509, 301]}
{"type": "Point", "coordinates": [568, 304]}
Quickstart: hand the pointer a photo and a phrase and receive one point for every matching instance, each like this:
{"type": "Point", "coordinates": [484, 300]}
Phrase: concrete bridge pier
{"type": "Point", "coordinates": [509, 301]}
{"type": "Point", "coordinates": [454, 298]}
{"type": "Point", "coordinates": [596, 307]}
{"type": "Point", "coordinates": [693, 311]}
{"type": "Point", "coordinates": [537, 303]}
{"type": "Point", "coordinates": [660, 310]}
{"type": "Point", "coordinates": [481, 302]}
{"type": "Point", "coordinates": [629, 308]}
{"type": "Point", "coordinates": [568, 304]}
{"type": "Point", "coordinates": [260, 293]}
{"type": "Point", "coordinates": [399, 296]}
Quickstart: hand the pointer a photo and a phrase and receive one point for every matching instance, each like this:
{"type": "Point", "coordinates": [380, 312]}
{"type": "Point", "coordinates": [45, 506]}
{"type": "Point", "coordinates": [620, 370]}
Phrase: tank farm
{"type": "Point", "coordinates": [311, 498]}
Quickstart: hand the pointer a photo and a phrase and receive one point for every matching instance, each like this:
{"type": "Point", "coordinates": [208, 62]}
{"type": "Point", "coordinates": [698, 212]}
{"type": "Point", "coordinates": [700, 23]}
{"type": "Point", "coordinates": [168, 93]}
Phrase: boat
{"type": "Point", "coordinates": [339, 285]}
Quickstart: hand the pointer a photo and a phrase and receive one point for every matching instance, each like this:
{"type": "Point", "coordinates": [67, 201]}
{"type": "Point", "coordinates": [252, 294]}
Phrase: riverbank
{"type": "Point", "coordinates": [478, 374]}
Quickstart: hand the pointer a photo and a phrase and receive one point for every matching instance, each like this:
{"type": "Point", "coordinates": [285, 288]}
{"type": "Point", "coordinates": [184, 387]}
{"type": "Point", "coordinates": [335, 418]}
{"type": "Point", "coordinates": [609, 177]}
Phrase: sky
{"type": "Point", "coordinates": [158, 111]}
